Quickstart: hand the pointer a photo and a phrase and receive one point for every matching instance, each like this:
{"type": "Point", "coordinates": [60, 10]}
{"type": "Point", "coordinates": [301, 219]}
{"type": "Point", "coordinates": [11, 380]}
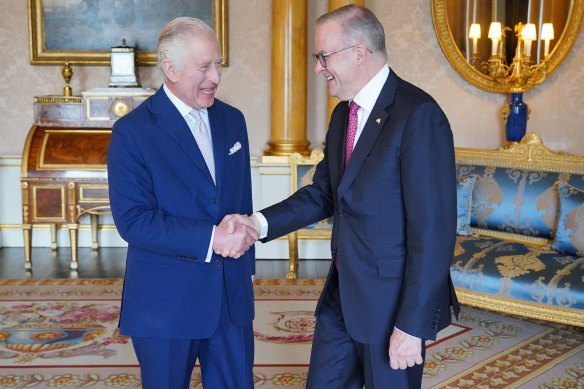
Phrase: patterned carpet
{"type": "Point", "coordinates": [62, 333]}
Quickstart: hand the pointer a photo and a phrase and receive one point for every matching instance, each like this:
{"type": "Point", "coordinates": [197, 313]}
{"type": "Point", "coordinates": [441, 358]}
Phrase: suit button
{"type": "Point", "coordinates": [218, 263]}
{"type": "Point", "coordinates": [214, 201]}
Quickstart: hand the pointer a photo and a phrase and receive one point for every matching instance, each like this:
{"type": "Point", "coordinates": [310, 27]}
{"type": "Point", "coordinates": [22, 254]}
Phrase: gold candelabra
{"type": "Point", "coordinates": [524, 72]}
{"type": "Point", "coordinates": [521, 75]}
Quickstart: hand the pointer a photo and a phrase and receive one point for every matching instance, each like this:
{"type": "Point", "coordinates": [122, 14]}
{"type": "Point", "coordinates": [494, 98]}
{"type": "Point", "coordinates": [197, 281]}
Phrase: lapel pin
{"type": "Point", "coordinates": [378, 120]}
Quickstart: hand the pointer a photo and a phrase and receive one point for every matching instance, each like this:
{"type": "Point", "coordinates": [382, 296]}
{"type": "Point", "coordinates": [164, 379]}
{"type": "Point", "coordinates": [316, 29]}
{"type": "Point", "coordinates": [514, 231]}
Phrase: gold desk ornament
{"type": "Point", "coordinates": [123, 67]}
{"type": "Point", "coordinates": [67, 73]}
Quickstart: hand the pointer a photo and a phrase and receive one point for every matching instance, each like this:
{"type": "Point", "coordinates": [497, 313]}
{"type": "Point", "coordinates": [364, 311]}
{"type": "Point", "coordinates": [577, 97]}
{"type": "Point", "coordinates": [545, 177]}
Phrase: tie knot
{"type": "Point", "coordinates": [353, 108]}
{"type": "Point", "coordinates": [195, 114]}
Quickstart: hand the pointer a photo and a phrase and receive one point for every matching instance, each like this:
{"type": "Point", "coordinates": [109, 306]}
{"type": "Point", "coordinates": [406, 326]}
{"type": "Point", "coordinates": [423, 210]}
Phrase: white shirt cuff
{"type": "Point", "coordinates": [210, 251]}
{"type": "Point", "coordinates": [263, 223]}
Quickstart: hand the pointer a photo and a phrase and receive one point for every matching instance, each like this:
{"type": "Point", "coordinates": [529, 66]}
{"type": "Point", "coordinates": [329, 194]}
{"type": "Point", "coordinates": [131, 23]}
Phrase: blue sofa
{"type": "Point", "coordinates": [520, 247]}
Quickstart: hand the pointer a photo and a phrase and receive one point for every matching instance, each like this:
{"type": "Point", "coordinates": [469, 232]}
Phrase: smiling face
{"type": "Point", "coordinates": [341, 70]}
{"type": "Point", "coordinates": [196, 83]}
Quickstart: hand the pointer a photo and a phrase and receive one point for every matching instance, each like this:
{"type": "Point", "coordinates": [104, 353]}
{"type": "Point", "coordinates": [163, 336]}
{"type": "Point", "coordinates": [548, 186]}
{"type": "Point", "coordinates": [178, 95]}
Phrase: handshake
{"type": "Point", "coordinates": [235, 234]}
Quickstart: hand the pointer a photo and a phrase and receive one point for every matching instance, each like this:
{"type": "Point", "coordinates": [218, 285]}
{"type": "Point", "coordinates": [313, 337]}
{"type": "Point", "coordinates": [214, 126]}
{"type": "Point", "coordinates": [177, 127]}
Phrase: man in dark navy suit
{"type": "Point", "coordinates": [177, 165]}
{"type": "Point", "coordinates": [388, 178]}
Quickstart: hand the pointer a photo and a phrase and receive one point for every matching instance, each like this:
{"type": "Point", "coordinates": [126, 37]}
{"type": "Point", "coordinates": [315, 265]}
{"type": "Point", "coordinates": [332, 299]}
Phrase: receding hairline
{"type": "Point", "coordinates": [177, 33]}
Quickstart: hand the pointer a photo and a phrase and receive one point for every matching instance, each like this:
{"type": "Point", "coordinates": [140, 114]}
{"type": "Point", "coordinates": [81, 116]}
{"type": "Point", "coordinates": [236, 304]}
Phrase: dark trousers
{"type": "Point", "coordinates": [226, 358]}
{"type": "Point", "coordinates": [339, 362]}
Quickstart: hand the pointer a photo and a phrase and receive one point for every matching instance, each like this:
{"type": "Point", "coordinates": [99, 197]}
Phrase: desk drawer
{"type": "Point", "coordinates": [93, 193]}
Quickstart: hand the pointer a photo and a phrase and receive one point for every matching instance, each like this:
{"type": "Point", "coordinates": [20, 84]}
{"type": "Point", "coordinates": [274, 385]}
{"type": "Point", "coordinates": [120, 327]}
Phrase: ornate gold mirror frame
{"type": "Point", "coordinates": [40, 55]}
{"type": "Point", "coordinates": [486, 82]}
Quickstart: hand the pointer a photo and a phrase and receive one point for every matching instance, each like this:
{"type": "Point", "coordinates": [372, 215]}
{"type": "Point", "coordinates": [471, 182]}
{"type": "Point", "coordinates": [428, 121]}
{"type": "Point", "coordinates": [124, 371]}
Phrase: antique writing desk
{"type": "Point", "coordinates": [63, 177]}
{"type": "Point", "coordinates": [64, 171]}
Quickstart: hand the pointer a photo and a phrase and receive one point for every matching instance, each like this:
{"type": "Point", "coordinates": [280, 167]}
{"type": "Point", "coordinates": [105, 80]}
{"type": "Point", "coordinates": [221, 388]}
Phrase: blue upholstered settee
{"type": "Point", "coordinates": [520, 247]}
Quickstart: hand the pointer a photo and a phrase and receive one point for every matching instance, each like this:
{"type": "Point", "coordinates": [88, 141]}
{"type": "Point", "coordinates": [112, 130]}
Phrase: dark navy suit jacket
{"type": "Point", "coordinates": [394, 210]}
{"type": "Point", "coordinates": [165, 204]}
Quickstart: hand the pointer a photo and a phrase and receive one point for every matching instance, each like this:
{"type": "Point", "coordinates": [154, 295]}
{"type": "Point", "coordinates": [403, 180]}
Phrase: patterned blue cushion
{"type": "Point", "coordinates": [514, 200]}
{"type": "Point", "coordinates": [464, 187]}
{"type": "Point", "coordinates": [570, 232]}
{"type": "Point", "coordinates": [518, 271]}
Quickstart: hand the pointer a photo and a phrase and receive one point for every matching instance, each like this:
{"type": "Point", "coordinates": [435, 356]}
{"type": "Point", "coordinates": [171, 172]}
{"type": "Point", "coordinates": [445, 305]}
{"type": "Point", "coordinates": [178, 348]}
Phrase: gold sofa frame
{"type": "Point", "coordinates": [529, 154]}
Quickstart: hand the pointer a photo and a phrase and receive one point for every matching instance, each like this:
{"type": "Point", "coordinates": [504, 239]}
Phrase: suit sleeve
{"type": "Point", "coordinates": [138, 219]}
{"type": "Point", "coordinates": [429, 195]}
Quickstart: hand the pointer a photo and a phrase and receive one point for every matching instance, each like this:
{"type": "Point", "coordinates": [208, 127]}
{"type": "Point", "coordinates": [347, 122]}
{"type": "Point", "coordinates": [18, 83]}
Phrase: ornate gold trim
{"type": "Point", "coordinates": [60, 226]}
{"type": "Point", "coordinates": [521, 308]}
{"type": "Point", "coordinates": [485, 82]}
{"type": "Point", "coordinates": [530, 153]}
{"type": "Point", "coordinates": [56, 99]}
{"type": "Point", "coordinates": [533, 240]}
{"type": "Point", "coordinates": [39, 55]}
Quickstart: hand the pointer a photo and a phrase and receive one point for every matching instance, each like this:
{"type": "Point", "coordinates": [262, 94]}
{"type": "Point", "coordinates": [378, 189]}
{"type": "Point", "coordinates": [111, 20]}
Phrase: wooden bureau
{"type": "Point", "coordinates": [64, 176]}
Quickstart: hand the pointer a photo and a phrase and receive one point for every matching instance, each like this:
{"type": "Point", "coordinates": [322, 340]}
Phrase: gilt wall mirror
{"type": "Point", "coordinates": [471, 49]}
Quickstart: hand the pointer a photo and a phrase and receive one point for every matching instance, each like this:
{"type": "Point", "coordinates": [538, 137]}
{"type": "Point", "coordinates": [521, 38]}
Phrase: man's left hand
{"type": "Point", "coordinates": [404, 350]}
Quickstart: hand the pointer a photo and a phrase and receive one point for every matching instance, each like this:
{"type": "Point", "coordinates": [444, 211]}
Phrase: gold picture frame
{"type": "Point", "coordinates": [71, 39]}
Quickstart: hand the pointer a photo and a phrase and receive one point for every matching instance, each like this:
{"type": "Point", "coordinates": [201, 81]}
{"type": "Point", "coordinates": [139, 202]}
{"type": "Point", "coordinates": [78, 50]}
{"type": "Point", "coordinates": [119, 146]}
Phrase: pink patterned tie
{"type": "Point", "coordinates": [349, 143]}
{"type": "Point", "coordinates": [351, 131]}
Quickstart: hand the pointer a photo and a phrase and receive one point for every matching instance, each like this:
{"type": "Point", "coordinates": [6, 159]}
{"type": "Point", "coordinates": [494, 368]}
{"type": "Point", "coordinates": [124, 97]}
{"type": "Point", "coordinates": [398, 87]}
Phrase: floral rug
{"type": "Point", "coordinates": [62, 333]}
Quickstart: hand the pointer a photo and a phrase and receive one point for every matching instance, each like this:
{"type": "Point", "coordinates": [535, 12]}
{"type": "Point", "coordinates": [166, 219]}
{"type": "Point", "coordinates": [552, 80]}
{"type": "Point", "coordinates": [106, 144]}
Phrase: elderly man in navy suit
{"type": "Point", "coordinates": [388, 178]}
{"type": "Point", "coordinates": [177, 165]}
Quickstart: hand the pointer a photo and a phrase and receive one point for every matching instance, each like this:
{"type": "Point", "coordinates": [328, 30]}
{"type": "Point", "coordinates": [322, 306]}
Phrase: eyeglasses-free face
{"type": "Point", "coordinates": [321, 57]}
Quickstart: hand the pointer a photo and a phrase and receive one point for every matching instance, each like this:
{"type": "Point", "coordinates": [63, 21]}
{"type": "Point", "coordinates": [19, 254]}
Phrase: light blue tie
{"type": "Point", "coordinates": [203, 138]}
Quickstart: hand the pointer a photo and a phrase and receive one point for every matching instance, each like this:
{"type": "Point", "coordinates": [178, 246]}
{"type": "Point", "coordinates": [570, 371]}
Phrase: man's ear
{"type": "Point", "coordinates": [169, 70]}
{"type": "Point", "coordinates": [362, 53]}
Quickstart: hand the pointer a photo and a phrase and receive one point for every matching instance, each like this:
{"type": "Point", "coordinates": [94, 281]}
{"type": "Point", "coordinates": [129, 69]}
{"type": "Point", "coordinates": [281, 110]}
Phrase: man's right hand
{"type": "Point", "coordinates": [235, 234]}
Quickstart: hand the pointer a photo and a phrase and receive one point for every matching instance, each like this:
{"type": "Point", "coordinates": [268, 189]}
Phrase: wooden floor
{"type": "Point", "coordinates": [109, 262]}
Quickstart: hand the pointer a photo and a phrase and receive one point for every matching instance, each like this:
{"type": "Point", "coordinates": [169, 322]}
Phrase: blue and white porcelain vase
{"type": "Point", "coordinates": [516, 124]}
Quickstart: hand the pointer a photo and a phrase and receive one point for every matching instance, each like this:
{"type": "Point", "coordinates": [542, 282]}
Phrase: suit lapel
{"type": "Point", "coordinates": [375, 124]}
{"type": "Point", "coordinates": [170, 120]}
{"type": "Point", "coordinates": [336, 145]}
{"type": "Point", "coordinates": [218, 130]}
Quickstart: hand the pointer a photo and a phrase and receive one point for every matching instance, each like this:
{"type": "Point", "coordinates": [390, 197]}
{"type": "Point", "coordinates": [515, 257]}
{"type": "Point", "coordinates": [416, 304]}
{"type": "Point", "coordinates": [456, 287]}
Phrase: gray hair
{"type": "Point", "coordinates": [172, 39]}
{"type": "Point", "coordinates": [359, 25]}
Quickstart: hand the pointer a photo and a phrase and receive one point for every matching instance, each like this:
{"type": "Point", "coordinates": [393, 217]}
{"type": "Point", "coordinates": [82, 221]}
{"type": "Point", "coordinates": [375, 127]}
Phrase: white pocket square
{"type": "Point", "coordinates": [236, 147]}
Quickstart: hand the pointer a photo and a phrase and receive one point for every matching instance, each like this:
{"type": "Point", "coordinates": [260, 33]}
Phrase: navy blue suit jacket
{"type": "Point", "coordinates": [394, 210]}
{"type": "Point", "coordinates": [165, 204]}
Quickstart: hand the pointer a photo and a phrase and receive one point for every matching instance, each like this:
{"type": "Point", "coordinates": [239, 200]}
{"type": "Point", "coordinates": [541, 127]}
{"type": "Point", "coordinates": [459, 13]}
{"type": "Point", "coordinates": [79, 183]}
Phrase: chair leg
{"type": "Point", "coordinates": [94, 226]}
{"type": "Point", "coordinates": [53, 228]}
{"type": "Point", "coordinates": [292, 255]}
{"type": "Point", "coordinates": [73, 229]}
{"type": "Point", "coordinates": [27, 233]}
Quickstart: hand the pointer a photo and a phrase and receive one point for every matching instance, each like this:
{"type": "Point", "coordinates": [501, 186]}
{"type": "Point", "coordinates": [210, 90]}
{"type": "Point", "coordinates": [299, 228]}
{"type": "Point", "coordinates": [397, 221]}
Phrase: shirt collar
{"type": "Point", "coordinates": [367, 96]}
{"type": "Point", "coordinates": [179, 104]}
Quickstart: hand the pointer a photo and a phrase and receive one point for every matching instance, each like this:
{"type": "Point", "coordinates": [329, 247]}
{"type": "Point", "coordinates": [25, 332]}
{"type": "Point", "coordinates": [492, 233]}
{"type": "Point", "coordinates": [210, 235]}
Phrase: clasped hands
{"type": "Point", "coordinates": [235, 234]}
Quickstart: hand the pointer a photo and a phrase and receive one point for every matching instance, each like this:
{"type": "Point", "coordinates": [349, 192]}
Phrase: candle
{"type": "Point", "coordinates": [529, 35]}
{"type": "Point", "coordinates": [495, 35]}
{"type": "Point", "coordinates": [547, 33]}
{"type": "Point", "coordinates": [475, 34]}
